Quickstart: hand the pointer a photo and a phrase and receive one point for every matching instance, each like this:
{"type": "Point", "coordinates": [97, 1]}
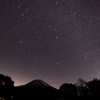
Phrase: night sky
{"type": "Point", "coordinates": [57, 41]}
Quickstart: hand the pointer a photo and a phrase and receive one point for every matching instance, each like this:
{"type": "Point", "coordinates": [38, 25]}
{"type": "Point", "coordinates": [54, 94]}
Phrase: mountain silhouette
{"type": "Point", "coordinates": [38, 83]}
{"type": "Point", "coordinates": [36, 88]}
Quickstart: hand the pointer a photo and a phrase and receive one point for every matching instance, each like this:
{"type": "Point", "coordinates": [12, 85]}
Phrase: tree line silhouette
{"type": "Point", "coordinates": [82, 88]}
{"type": "Point", "coordinates": [6, 87]}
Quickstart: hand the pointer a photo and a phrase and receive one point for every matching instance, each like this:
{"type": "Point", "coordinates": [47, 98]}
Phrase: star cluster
{"type": "Point", "coordinates": [57, 41]}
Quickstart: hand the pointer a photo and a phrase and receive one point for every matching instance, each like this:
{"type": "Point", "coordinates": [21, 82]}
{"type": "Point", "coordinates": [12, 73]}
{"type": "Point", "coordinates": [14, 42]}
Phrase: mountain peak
{"type": "Point", "coordinates": [39, 87]}
{"type": "Point", "coordinates": [38, 82]}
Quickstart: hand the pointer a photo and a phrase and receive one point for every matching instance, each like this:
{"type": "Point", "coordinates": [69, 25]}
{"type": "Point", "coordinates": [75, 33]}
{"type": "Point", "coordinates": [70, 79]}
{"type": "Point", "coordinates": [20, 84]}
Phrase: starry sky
{"type": "Point", "coordinates": [57, 41]}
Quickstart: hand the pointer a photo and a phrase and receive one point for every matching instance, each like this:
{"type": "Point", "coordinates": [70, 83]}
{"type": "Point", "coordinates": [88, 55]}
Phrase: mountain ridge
{"type": "Point", "coordinates": [37, 85]}
{"type": "Point", "coordinates": [38, 82]}
{"type": "Point", "coordinates": [37, 88]}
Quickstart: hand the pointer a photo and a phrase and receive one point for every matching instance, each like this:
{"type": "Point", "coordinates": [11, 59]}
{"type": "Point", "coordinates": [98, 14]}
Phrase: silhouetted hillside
{"type": "Point", "coordinates": [36, 89]}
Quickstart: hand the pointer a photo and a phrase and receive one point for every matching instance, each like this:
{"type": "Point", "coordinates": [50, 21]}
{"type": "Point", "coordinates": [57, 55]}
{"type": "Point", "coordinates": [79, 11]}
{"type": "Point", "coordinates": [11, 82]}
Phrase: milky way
{"type": "Point", "coordinates": [57, 41]}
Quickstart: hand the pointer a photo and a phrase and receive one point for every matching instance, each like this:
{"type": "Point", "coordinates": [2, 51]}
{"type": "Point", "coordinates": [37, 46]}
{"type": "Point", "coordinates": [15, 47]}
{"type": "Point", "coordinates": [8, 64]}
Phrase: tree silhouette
{"type": "Point", "coordinates": [6, 86]}
{"type": "Point", "coordinates": [94, 87]}
{"type": "Point", "coordinates": [6, 81]}
{"type": "Point", "coordinates": [2, 77]}
{"type": "Point", "coordinates": [69, 89]}
{"type": "Point", "coordinates": [82, 87]}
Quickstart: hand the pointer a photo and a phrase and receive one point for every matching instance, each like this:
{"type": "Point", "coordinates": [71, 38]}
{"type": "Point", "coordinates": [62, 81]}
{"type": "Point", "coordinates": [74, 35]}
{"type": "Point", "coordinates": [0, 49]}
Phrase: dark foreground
{"type": "Point", "coordinates": [53, 98]}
